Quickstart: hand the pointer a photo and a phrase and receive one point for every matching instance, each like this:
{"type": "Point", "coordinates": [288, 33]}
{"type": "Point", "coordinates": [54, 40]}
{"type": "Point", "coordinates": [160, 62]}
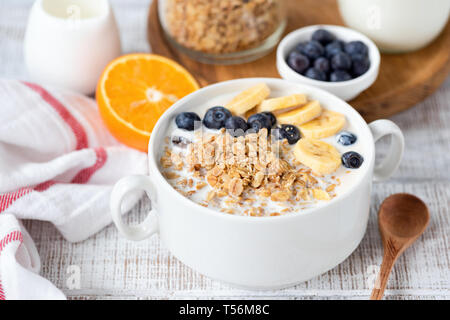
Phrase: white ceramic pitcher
{"type": "Point", "coordinates": [68, 43]}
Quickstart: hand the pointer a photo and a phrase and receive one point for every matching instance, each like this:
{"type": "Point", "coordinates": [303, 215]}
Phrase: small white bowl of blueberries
{"type": "Point", "coordinates": [334, 58]}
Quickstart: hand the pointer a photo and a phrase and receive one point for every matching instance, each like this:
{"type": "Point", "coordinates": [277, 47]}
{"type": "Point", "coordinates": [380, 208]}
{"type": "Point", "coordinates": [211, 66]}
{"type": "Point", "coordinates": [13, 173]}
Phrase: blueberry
{"type": "Point", "coordinates": [340, 75]}
{"type": "Point", "coordinates": [322, 64]}
{"type": "Point", "coordinates": [181, 142]}
{"type": "Point", "coordinates": [315, 74]}
{"type": "Point", "coordinates": [216, 117]}
{"type": "Point", "coordinates": [352, 160]}
{"type": "Point", "coordinates": [346, 138]}
{"type": "Point", "coordinates": [333, 48]}
{"type": "Point", "coordinates": [291, 133]}
{"type": "Point", "coordinates": [323, 36]}
{"type": "Point", "coordinates": [313, 49]}
{"type": "Point", "coordinates": [341, 61]}
{"type": "Point", "coordinates": [236, 126]}
{"type": "Point", "coordinates": [186, 120]}
{"type": "Point", "coordinates": [297, 61]}
{"type": "Point", "coordinates": [300, 46]}
{"type": "Point", "coordinates": [360, 65]}
{"type": "Point", "coordinates": [259, 121]}
{"type": "Point", "coordinates": [356, 47]}
{"type": "Point", "coordinates": [273, 119]}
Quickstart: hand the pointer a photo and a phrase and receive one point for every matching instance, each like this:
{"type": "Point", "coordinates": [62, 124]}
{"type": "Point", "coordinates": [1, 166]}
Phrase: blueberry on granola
{"type": "Point", "coordinates": [181, 142]}
{"type": "Point", "coordinates": [273, 119]}
{"type": "Point", "coordinates": [259, 121]}
{"type": "Point", "coordinates": [216, 117]}
{"type": "Point", "coordinates": [289, 132]}
{"type": "Point", "coordinates": [352, 160]}
{"type": "Point", "coordinates": [186, 120]}
{"type": "Point", "coordinates": [236, 126]}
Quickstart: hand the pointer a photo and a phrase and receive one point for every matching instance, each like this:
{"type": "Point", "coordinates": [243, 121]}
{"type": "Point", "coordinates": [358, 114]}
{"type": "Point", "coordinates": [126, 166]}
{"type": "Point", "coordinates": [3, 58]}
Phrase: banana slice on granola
{"type": "Point", "coordinates": [248, 99]}
{"type": "Point", "coordinates": [282, 104]}
{"type": "Point", "coordinates": [327, 124]}
{"type": "Point", "coordinates": [301, 115]}
{"type": "Point", "coordinates": [322, 158]}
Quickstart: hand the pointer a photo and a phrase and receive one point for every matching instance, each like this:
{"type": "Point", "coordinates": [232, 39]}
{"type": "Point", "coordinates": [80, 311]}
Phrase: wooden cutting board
{"type": "Point", "coordinates": [404, 80]}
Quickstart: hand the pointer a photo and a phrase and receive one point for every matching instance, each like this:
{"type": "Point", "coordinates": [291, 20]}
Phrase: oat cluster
{"type": "Point", "coordinates": [240, 171]}
{"type": "Point", "coordinates": [221, 26]}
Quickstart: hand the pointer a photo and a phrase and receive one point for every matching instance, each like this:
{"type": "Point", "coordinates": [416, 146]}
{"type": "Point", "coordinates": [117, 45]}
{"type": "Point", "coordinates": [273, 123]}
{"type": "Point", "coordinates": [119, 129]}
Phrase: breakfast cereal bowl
{"type": "Point", "coordinates": [346, 90]}
{"type": "Point", "coordinates": [260, 252]}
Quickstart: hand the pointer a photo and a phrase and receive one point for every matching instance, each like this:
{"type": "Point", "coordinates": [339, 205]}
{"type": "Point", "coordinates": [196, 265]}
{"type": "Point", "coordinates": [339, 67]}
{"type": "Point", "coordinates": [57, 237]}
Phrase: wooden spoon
{"type": "Point", "coordinates": [402, 219]}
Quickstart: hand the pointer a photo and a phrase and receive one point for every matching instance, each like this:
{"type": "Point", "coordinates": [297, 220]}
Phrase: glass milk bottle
{"type": "Point", "coordinates": [397, 25]}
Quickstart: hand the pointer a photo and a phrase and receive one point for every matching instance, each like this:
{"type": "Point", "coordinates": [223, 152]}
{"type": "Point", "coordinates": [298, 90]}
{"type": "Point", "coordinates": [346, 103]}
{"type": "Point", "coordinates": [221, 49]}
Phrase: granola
{"type": "Point", "coordinates": [238, 175]}
{"type": "Point", "coordinates": [221, 26]}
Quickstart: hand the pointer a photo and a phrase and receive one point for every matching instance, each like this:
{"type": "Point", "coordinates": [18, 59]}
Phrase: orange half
{"type": "Point", "coordinates": [135, 90]}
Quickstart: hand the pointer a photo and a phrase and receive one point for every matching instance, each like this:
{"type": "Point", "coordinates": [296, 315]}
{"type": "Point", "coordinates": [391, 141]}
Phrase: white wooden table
{"type": "Point", "coordinates": [112, 267]}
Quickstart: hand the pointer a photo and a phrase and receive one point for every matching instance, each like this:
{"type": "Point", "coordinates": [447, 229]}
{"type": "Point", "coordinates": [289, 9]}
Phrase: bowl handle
{"type": "Point", "coordinates": [126, 185]}
{"type": "Point", "coordinates": [389, 165]}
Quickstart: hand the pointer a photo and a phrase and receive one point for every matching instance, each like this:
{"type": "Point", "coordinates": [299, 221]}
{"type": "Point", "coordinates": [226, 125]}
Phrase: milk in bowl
{"type": "Point", "coordinates": [263, 153]}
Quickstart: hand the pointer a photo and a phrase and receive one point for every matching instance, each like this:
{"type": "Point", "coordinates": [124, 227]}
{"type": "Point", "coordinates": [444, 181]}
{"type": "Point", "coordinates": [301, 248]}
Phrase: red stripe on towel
{"type": "Point", "coordinates": [81, 177]}
{"type": "Point", "coordinates": [8, 198]}
{"type": "Point", "coordinates": [84, 175]}
{"type": "Point", "coordinates": [9, 238]}
{"type": "Point", "coordinates": [78, 130]}
{"type": "Point", "coordinates": [44, 186]}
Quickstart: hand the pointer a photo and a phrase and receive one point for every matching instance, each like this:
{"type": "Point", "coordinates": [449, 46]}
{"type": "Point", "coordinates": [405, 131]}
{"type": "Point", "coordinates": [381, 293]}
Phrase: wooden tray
{"type": "Point", "coordinates": [404, 80]}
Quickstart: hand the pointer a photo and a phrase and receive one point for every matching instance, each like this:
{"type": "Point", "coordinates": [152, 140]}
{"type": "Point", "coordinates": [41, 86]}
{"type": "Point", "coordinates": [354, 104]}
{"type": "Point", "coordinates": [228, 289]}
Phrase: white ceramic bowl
{"type": "Point", "coordinates": [258, 252]}
{"type": "Point", "coordinates": [345, 90]}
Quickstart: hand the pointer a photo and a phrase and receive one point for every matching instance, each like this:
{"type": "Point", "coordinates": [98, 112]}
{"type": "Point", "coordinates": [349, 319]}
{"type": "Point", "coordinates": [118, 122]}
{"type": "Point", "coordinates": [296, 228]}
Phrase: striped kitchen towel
{"type": "Point", "coordinates": [58, 163]}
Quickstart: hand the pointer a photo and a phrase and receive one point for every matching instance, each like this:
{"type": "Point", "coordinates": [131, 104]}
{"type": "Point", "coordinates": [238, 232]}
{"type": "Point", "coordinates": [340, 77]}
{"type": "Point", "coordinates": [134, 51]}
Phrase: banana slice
{"type": "Point", "coordinates": [248, 99]}
{"type": "Point", "coordinates": [327, 124]}
{"type": "Point", "coordinates": [250, 112]}
{"type": "Point", "coordinates": [301, 115]}
{"type": "Point", "coordinates": [282, 103]}
{"type": "Point", "coordinates": [322, 158]}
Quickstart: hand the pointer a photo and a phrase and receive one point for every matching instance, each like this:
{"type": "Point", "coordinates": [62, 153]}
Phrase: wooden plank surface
{"type": "Point", "coordinates": [112, 267]}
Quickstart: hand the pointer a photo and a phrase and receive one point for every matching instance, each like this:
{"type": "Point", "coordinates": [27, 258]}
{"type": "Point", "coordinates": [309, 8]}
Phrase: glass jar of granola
{"type": "Point", "coordinates": [223, 31]}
